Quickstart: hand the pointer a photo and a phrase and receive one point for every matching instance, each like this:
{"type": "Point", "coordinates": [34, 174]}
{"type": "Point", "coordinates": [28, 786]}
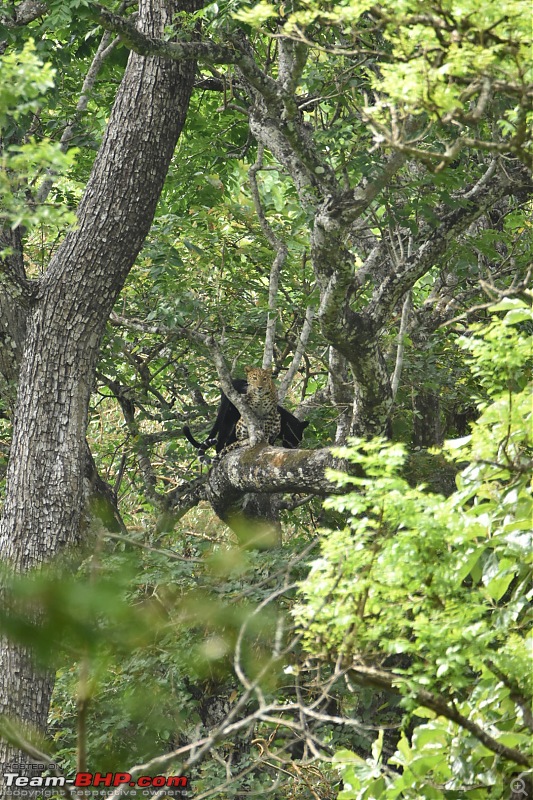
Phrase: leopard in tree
{"type": "Point", "coordinates": [223, 434]}
{"type": "Point", "coordinates": [262, 397]}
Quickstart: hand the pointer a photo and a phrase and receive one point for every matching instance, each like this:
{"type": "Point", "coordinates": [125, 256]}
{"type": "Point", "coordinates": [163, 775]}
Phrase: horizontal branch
{"type": "Point", "coordinates": [144, 45]}
{"type": "Point", "coordinates": [370, 676]}
{"type": "Point", "coordinates": [207, 52]}
{"type": "Point", "coordinates": [270, 470]}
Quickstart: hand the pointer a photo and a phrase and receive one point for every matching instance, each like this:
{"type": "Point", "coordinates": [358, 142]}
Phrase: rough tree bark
{"type": "Point", "coordinates": [44, 498]}
{"type": "Point", "coordinates": [242, 487]}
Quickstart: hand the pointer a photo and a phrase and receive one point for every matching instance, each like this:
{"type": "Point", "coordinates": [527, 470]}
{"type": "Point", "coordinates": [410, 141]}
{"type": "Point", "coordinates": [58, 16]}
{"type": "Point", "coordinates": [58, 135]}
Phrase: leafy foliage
{"type": "Point", "coordinates": [437, 590]}
{"type": "Point", "coordinates": [25, 79]}
{"type": "Point", "coordinates": [435, 61]}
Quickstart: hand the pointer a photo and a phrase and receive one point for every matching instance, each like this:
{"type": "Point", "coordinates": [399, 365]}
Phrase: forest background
{"type": "Point", "coordinates": [339, 192]}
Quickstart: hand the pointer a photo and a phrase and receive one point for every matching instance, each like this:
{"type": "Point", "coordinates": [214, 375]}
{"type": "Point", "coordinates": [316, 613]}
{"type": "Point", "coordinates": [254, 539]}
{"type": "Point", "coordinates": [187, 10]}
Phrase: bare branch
{"type": "Point", "coordinates": [268, 469]}
{"type": "Point", "coordinates": [298, 353]}
{"type": "Point", "coordinates": [205, 51]}
{"type": "Point", "coordinates": [279, 259]}
{"type": "Point", "coordinates": [406, 310]}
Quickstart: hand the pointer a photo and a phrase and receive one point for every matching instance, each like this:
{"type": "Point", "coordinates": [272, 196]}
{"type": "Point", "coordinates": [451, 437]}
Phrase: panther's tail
{"type": "Point", "coordinates": [195, 443]}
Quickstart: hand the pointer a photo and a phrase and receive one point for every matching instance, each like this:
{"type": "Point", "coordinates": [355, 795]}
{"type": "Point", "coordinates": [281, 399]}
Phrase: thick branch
{"type": "Point", "coordinates": [332, 261]}
{"type": "Point", "coordinates": [387, 295]}
{"type": "Point", "coordinates": [385, 680]}
{"type": "Point", "coordinates": [292, 61]}
{"type": "Point", "coordinates": [207, 52]}
{"type": "Point", "coordinates": [355, 335]}
{"type": "Point", "coordinates": [23, 14]}
{"type": "Point", "coordinates": [277, 122]}
{"type": "Point", "coordinates": [269, 470]}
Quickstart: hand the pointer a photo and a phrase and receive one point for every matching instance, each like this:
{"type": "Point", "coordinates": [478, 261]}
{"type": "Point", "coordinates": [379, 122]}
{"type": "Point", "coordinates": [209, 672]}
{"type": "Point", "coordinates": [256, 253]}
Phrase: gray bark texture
{"type": "Point", "coordinates": [340, 226]}
{"type": "Point", "coordinates": [71, 303]}
{"type": "Point", "coordinates": [244, 488]}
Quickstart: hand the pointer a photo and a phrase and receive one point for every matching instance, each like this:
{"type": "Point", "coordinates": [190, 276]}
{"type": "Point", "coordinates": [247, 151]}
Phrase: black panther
{"type": "Point", "coordinates": [223, 433]}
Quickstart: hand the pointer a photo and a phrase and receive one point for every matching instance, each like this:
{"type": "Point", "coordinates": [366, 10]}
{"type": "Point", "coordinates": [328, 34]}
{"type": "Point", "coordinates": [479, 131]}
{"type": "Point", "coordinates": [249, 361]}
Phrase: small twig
{"type": "Point", "coordinates": [290, 505]}
{"type": "Point", "coordinates": [285, 571]}
{"type": "Point", "coordinates": [161, 551]}
{"type": "Point", "coordinates": [521, 290]}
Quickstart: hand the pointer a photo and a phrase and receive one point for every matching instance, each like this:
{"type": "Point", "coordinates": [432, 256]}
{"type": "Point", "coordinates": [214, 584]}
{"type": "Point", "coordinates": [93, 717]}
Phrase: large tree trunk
{"type": "Point", "coordinates": [427, 423]}
{"type": "Point", "coordinates": [44, 496]}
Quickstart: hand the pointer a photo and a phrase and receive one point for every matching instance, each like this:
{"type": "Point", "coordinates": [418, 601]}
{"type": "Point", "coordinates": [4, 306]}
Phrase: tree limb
{"type": "Point", "coordinates": [23, 14]}
{"type": "Point", "coordinates": [388, 293]}
{"type": "Point", "coordinates": [281, 251]}
{"type": "Point", "coordinates": [269, 470]}
{"type": "Point", "coordinates": [370, 676]}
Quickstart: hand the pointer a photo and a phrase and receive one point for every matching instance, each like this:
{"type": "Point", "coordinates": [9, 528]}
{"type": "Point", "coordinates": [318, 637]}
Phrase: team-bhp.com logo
{"type": "Point", "coordinates": [95, 779]}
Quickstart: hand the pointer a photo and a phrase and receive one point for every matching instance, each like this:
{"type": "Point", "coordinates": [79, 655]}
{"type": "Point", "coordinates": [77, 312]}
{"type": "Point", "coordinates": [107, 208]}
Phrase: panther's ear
{"type": "Point", "coordinates": [247, 370]}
